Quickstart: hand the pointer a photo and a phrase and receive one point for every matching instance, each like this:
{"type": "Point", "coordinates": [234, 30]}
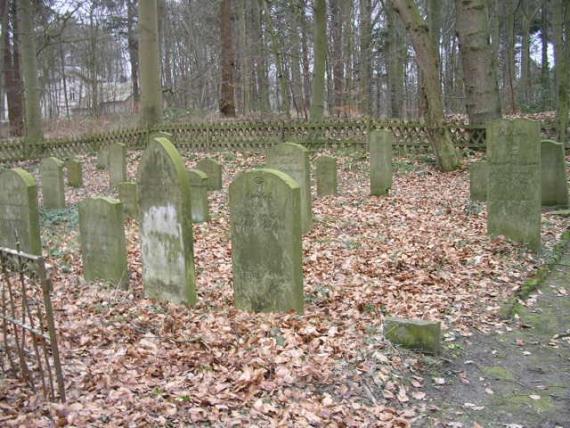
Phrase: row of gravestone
{"type": "Point", "coordinates": [521, 175]}
{"type": "Point", "coordinates": [269, 208]}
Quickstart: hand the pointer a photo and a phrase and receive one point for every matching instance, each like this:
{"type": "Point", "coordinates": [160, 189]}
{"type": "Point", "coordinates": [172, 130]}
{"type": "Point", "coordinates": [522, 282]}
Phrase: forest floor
{"type": "Point", "coordinates": [421, 252]}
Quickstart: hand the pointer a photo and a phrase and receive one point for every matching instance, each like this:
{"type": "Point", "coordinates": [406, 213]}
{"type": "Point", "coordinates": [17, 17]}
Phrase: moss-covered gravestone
{"type": "Point", "coordinates": [166, 224]}
{"type": "Point", "coordinates": [128, 194]}
{"type": "Point", "coordinates": [326, 176]}
{"type": "Point", "coordinates": [553, 172]}
{"type": "Point", "coordinates": [293, 160]}
{"type": "Point", "coordinates": [103, 243]}
{"type": "Point", "coordinates": [19, 215]}
{"type": "Point", "coordinates": [418, 335]}
{"type": "Point", "coordinates": [514, 196]}
{"type": "Point", "coordinates": [199, 195]}
{"type": "Point", "coordinates": [117, 164]}
{"type": "Point", "coordinates": [53, 187]}
{"type": "Point", "coordinates": [74, 173]}
{"type": "Point", "coordinates": [103, 158]}
{"type": "Point", "coordinates": [213, 170]}
{"type": "Point", "coordinates": [266, 242]}
{"type": "Point", "coordinates": [478, 179]}
{"type": "Point", "coordinates": [380, 146]}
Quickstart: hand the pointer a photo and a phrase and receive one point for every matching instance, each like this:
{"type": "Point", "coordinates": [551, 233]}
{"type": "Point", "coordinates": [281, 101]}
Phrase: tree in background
{"type": "Point", "coordinates": [320, 53]}
{"type": "Point", "coordinates": [149, 62]}
{"type": "Point", "coordinates": [563, 66]}
{"type": "Point", "coordinates": [33, 114]}
{"type": "Point", "coordinates": [227, 95]}
{"type": "Point", "coordinates": [479, 68]}
{"type": "Point", "coordinates": [427, 60]}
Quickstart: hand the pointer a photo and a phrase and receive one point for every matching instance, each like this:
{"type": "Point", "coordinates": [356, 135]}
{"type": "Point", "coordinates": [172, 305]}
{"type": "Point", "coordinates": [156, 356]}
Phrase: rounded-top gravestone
{"type": "Point", "coordinates": [53, 187]}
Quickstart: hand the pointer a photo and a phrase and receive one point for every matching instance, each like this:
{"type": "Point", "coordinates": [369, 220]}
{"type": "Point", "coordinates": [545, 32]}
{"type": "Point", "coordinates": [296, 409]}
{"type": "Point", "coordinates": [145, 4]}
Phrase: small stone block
{"type": "Point", "coordinates": [478, 181]}
{"type": "Point", "coordinates": [326, 176]}
{"type": "Point", "coordinates": [553, 174]}
{"type": "Point", "coordinates": [103, 158]}
{"type": "Point", "coordinates": [128, 195]}
{"type": "Point", "coordinates": [53, 187]}
{"type": "Point", "coordinates": [199, 195]}
{"type": "Point", "coordinates": [380, 145]}
{"type": "Point", "coordinates": [213, 170]}
{"type": "Point", "coordinates": [418, 335]}
{"type": "Point", "coordinates": [117, 164]}
{"type": "Point", "coordinates": [74, 173]}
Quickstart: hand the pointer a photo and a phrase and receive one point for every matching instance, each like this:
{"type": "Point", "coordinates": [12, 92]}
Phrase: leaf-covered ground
{"type": "Point", "coordinates": [421, 252]}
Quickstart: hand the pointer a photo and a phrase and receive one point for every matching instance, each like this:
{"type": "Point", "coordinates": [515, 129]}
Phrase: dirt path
{"type": "Point", "coordinates": [517, 379]}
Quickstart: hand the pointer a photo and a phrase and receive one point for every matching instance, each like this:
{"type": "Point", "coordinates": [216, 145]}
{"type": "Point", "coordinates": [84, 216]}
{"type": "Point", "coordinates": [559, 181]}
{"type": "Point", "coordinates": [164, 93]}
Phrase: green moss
{"type": "Point", "coordinates": [496, 372]}
{"type": "Point", "coordinates": [518, 401]}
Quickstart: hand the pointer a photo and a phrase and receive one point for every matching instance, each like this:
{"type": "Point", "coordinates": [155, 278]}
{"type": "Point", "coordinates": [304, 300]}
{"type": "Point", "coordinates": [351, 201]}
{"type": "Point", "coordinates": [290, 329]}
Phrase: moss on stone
{"type": "Point", "coordinates": [496, 372]}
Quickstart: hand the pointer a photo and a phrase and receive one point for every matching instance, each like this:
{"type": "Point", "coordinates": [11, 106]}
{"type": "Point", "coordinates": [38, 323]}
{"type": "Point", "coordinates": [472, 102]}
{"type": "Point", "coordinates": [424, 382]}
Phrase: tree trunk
{"type": "Point", "coordinates": [149, 62]}
{"type": "Point", "coordinates": [396, 45]}
{"type": "Point", "coordinates": [306, 69]}
{"type": "Point", "coordinates": [544, 64]}
{"type": "Point", "coordinates": [227, 99]}
{"type": "Point", "coordinates": [558, 45]}
{"type": "Point", "coordinates": [336, 57]}
{"type": "Point", "coordinates": [133, 49]}
{"type": "Point", "coordinates": [510, 53]}
{"type": "Point", "coordinates": [479, 69]}
{"type": "Point", "coordinates": [365, 44]}
{"type": "Point", "coordinates": [12, 79]}
{"type": "Point", "coordinates": [33, 113]}
{"type": "Point", "coordinates": [428, 63]}
{"type": "Point", "coordinates": [318, 85]}
{"type": "Point", "coordinates": [564, 75]}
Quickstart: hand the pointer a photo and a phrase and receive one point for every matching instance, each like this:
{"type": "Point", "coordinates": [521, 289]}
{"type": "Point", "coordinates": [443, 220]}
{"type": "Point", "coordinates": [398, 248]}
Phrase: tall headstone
{"type": "Point", "coordinates": [19, 214]}
{"type": "Point", "coordinates": [214, 172]}
{"type": "Point", "coordinates": [266, 241]}
{"type": "Point", "coordinates": [128, 194]}
{"type": "Point", "coordinates": [514, 196]}
{"type": "Point", "coordinates": [166, 224]}
{"type": "Point", "coordinates": [553, 171]}
{"type": "Point", "coordinates": [117, 163]}
{"type": "Point", "coordinates": [103, 243]}
{"type": "Point", "coordinates": [53, 188]}
{"type": "Point", "coordinates": [478, 180]}
{"type": "Point", "coordinates": [74, 173]}
{"type": "Point", "coordinates": [103, 158]}
{"type": "Point", "coordinates": [199, 195]}
{"type": "Point", "coordinates": [293, 160]}
{"type": "Point", "coordinates": [326, 176]}
{"type": "Point", "coordinates": [380, 145]}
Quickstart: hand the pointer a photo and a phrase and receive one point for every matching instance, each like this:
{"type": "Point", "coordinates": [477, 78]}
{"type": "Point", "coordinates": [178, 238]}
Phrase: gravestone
{"type": "Point", "coordinates": [128, 195]}
{"type": "Point", "coordinates": [53, 188]}
{"type": "Point", "coordinates": [19, 215]}
{"type": "Point", "coordinates": [199, 195]}
{"type": "Point", "coordinates": [553, 174]}
{"type": "Point", "coordinates": [214, 172]}
{"type": "Point", "coordinates": [418, 335]}
{"type": "Point", "coordinates": [326, 176]}
{"type": "Point", "coordinates": [103, 158]}
{"type": "Point", "coordinates": [265, 211]}
{"type": "Point", "coordinates": [478, 179]}
{"type": "Point", "coordinates": [117, 164]}
{"type": "Point", "coordinates": [293, 160]}
{"type": "Point", "coordinates": [74, 173]}
{"type": "Point", "coordinates": [514, 196]}
{"type": "Point", "coordinates": [166, 224]}
{"type": "Point", "coordinates": [103, 243]}
{"type": "Point", "coordinates": [380, 145]}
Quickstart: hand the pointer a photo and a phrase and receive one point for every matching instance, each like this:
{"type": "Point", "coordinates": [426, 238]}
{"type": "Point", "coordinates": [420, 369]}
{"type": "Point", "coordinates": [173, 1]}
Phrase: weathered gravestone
{"type": "Point", "coordinates": [514, 199]}
{"type": "Point", "coordinates": [53, 188]}
{"type": "Point", "coordinates": [103, 158]}
{"type": "Point", "coordinates": [128, 194]}
{"type": "Point", "coordinates": [214, 172]}
{"type": "Point", "coordinates": [553, 172]}
{"type": "Point", "coordinates": [117, 164]}
{"type": "Point", "coordinates": [326, 176]}
{"type": "Point", "coordinates": [199, 195]}
{"type": "Point", "coordinates": [103, 243]}
{"type": "Point", "coordinates": [293, 160]}
{"type": "Point", "coordinates": [74, 173]}
{"type": "Point", "coordinates": [380, 146]}
{"type": "Point", "coordinates": [166, 224]}
{"type": "Point", "coordinates": [418, 335]}
{"type": "Point", "coordinates": [19, 215]}
{"type": "Point", "coordinates": [266, 241]}
{"type": "Point", "coordinates": [478, 180]}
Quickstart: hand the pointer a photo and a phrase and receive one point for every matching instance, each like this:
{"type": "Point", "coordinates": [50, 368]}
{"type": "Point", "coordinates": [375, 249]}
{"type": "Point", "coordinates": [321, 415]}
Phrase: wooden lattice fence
{"type": "Point", "coordinates": [251, 135]}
